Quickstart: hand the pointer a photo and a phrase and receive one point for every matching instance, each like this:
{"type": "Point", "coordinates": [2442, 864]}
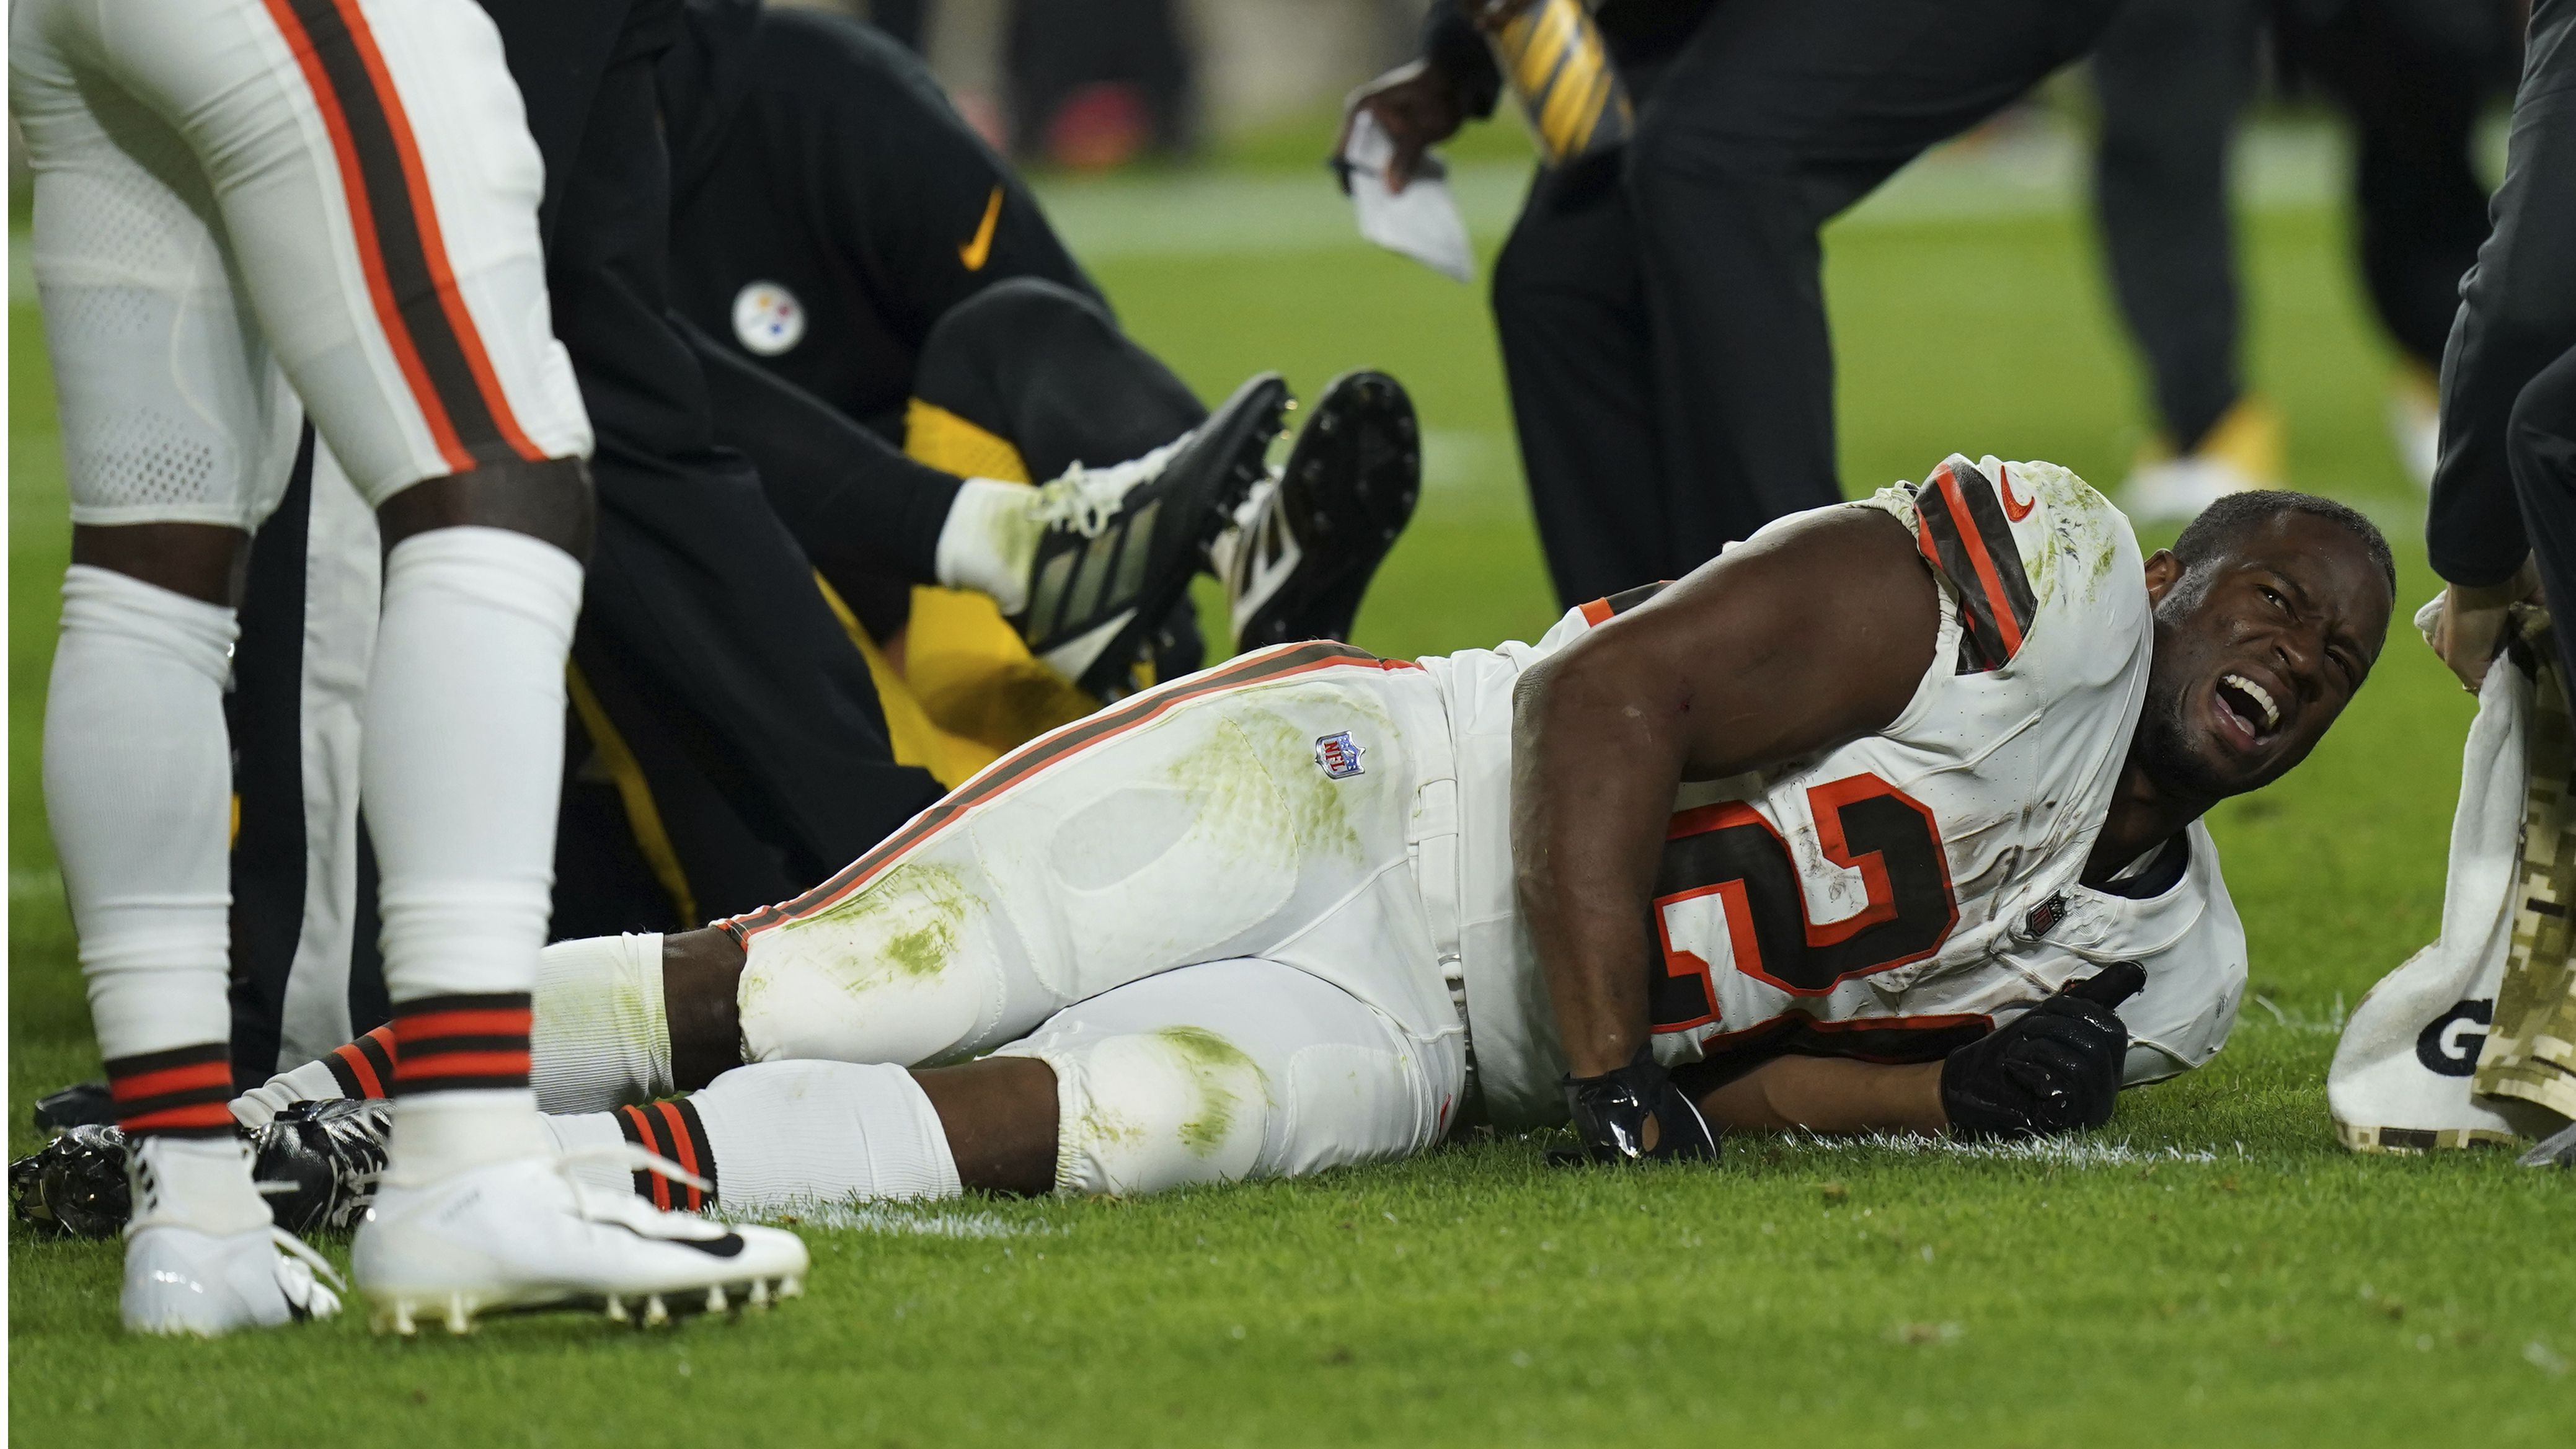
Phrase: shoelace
{"type": "Point", "coordinates": [1085, 499]}
{"type": "Point", "coordinates": [296, 1247]}
{"type": "Point", "coordinates": [632, 1158]}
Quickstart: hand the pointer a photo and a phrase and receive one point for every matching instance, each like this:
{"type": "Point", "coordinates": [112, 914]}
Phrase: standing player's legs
{"type": "Point", "coordinates": [1212, 1073]}
{"type": "Point", "coordinates": [1777, 115]}
{"type": "Point", "coordinates": [1570, 313]}
{"type": "Point", "coordinates": [377, 193]}
{"type": "Point", "coordinates": [176, 431]}
{"type": "Point", "coordinates": [2173, 76]}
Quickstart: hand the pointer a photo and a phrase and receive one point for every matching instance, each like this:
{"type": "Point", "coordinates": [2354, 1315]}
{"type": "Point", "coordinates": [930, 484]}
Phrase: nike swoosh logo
{"type": "Point", "coordinates": [728, 1246]}
{"type": "Point", "coordinates": [975, 249]}
{"type": "Point", "coordinates": [2015, 509]}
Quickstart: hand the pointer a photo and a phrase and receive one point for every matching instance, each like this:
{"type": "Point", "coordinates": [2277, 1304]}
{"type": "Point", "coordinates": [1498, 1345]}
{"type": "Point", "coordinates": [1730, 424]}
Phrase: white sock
{"type": "Point", "coordinates": [461, 772]}
{"type": "Point", "coordinates": [989, 541]}
{"type": "Point", "coordinates": [436, 1134]}
{"type": "Point", "coordinates": [311, 1082]}
{"type": "Point", "coordinates": [587, 1132]}
{"type": "Point", "coordinates": [601, 1038]}
{"type": "Point", "coordinates": [138, 787]}
{"type": "Point", "coordinates": [791, 1135]}
{"type": "Point", "coordinates": [202, 1183]}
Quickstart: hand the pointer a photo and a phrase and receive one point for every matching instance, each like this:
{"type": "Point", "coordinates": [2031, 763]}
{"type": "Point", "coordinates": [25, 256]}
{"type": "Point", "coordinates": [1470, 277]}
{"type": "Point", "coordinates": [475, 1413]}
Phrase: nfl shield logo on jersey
{"type": "Point", "coordinates": [1339, 756]}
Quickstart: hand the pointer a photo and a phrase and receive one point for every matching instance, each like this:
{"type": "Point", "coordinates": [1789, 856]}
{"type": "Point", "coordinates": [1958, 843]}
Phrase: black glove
{"type": "Point", "coordinates": [1636, 1114]}
{"type": "Point", "coordinates": [2055, 1070]}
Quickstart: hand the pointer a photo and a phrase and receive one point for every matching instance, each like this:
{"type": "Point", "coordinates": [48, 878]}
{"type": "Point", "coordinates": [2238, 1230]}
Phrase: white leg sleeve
{"type": "Point", "coordinates": [786, 1135]}
{"type": "Point", "coordinates": [464, 756]}
{"type": "Point", "coordinates": [138, 788]}
{"type": "Point", "coordinates": [462, 768]}
{"type": "Point", "coordinates": [601, 1037]}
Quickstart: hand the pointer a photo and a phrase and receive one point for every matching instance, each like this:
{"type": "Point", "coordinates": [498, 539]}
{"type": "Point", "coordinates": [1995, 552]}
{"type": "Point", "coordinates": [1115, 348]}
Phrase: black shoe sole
{"type": "Point", "coordinates": [1350, 487]}
{"type": "Point", "coordinates": [1228, 454]}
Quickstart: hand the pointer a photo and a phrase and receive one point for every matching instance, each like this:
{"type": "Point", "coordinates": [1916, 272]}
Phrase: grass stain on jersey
{"type": "Point", "coordinates": [905, 924]}
{"type": "Point", "coordinates": [1259, 791]}
{"type": "Point", "coordinates": [1217, 1068]}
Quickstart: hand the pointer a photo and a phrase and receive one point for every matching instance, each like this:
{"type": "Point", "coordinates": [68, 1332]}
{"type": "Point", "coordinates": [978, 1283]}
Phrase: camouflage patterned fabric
{"type": "Point", "coordinates": [2530, 1051]}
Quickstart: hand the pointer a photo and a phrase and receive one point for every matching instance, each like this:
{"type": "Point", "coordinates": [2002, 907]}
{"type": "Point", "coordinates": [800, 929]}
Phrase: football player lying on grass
{"type": "Point", "coordinates": [1868, 825]}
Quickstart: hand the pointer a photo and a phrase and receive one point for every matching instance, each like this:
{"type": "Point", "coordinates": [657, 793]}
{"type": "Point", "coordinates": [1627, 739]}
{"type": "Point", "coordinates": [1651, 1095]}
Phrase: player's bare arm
{"type": "Point", "coordinates": [1749, 662]}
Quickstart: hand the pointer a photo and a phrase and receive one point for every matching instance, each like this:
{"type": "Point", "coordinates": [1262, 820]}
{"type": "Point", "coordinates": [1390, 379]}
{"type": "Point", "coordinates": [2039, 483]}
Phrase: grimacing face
{"type": "Point", "coordinates": [2258, 650]}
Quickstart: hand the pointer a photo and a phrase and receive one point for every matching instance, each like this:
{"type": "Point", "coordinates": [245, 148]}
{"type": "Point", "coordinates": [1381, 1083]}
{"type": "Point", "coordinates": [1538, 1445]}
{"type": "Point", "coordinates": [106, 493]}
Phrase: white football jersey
{"type": "Point", "coordinates": [1900, 895]}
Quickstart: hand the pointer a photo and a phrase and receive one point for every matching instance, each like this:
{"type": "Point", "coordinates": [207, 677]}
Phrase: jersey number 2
{"type": "Point", "coordinates": [1728, 851]}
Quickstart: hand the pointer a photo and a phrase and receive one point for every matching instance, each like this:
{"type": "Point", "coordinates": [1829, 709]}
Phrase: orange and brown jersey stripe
{"type": "Point", "coordinates": [1961, 529]}
{"type": "Point", "coordinates": [177, 1093]}
{"type": "Point", "coordinates": [365, 1067]}
{"type": "Point", "coordinates": [673, 1131]}
{"type": "Point", "coordinates": [400, 248]}
{"type": "Point", "coordinates": [1266, 666]}
{"type": "Point", "coordinates": [461, 1043]}
{"type": "Point", "coordinates": [1602, 611]}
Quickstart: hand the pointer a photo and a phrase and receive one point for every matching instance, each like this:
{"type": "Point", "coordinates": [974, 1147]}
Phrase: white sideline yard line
{"type": "Point", "coordinates": [901, 1220]}
{"type": "Point", "coordinates": [2047, 1151]}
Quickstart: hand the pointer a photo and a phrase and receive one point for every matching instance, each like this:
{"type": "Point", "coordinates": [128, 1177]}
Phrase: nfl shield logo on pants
{"type": "Point", "coordinates": [1338, 755]}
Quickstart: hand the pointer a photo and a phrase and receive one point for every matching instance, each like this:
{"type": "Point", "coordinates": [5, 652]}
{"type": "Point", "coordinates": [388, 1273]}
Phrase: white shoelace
{"type": "Point", "coordinates": [1085, 499]}
{"type": "Point", "coordinates": [296, 1247]}
{"type": "Point", "coordinates": [630, 1157]}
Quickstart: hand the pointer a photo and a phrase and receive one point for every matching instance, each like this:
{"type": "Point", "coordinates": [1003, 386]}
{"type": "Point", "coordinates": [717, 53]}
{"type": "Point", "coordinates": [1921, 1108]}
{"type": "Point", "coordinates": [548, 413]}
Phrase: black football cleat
{"type": "Point", "coordinates": [75, 1185]}
{"type": "Point", "coordinates": [1123, 542]}
{"type": "Point", "coordinates": [82, 1104]}
{"type": "Point", "coordinates": [315, 1162]}
{"type": "Point", "coordinates": [1305, 550]}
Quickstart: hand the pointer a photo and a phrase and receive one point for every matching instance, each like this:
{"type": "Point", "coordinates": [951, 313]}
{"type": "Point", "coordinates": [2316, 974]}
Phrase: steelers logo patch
{"type": "Point", "coordinates": [768, 319]}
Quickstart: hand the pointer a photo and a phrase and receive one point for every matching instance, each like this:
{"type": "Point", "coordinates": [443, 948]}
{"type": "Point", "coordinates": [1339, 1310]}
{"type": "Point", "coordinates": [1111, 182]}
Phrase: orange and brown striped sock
{"type": "Point", "coordinates": [460, 1044]}
{"type": "Point", "coordinates": [673, 1131]}
{"type": "Point", "coordinates": [365, 1067]}
{"type": "Point", "coordinates": [181, 1092]}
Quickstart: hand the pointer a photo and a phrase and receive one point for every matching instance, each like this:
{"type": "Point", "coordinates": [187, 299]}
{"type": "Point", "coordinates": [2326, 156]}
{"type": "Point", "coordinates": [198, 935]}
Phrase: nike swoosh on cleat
{"type": "Point", "coordinates": [728, 1246]}
{"type": "Point", "coordinates": [974, 250]}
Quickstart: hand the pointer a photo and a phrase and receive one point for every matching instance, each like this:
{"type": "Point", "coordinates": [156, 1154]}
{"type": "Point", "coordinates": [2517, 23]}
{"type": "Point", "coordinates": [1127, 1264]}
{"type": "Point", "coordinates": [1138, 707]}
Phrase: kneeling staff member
{"type": "Point", "coordinates": [1815, 837]}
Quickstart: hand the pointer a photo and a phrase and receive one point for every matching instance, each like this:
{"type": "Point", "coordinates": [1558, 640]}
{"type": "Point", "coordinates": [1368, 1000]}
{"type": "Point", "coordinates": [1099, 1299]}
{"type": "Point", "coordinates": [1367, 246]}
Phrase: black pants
{"type": "Point", "coordinates": [700, 608]}
{"type": "Point", "coordinates": [1037, 364]}
{"type": "Point", "coordinates": [2173, 77]}
{"type": "Point", "coordinates": [1662, 316]}
{"type": "Point", "coordinates": [2507, 479]}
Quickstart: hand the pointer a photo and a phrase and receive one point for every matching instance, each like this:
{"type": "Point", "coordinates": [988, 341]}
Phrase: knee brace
{"type": "Point", "coordinates": [1143, 1111]}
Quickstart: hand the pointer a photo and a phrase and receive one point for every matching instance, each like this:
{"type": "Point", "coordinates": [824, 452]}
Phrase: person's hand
{"type": "Point", "coordinates": [2468, 629]}
{"type": "Point", "coordinates": [2055, 1069]}
{"type": "Point", "coordinates": [1416, 105]}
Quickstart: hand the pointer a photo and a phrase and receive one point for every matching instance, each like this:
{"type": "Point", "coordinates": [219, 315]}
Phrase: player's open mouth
{"type": "Point", "coordinates": [2246, 710]}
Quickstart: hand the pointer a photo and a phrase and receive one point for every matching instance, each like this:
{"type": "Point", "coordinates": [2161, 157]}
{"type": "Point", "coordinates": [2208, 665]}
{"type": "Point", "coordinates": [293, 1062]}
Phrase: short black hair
{"type": "Point", "coordinates": [2221, 524]}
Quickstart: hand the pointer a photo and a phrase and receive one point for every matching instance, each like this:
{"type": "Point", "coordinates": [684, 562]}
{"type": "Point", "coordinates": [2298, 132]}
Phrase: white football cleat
{"type": "Point", "coordinates": [195, 1278]}
{"type": "Point", "coordinates": [526, 1234]}
{"type": "Point", "coordinates": [2177, 489]}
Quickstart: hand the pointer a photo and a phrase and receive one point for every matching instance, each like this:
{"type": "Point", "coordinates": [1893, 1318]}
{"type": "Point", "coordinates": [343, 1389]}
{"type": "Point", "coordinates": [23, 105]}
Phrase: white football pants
{"type": "Point", "coordinates": [236, 195]}
{"type": "Point", "coordinates": [239, 205]}
{"type": "Point", "coordinates": [1202, 907]}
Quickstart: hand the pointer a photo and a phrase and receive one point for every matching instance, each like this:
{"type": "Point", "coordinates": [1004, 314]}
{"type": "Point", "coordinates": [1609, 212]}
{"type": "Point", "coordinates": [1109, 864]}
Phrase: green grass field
{"type": "Point", "coordinates": [2211, 1268]}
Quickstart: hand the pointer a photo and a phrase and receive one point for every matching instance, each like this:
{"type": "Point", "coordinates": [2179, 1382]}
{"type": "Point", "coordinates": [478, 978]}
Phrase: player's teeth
{"type": "Point", "coordinates": [2256, 692]}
